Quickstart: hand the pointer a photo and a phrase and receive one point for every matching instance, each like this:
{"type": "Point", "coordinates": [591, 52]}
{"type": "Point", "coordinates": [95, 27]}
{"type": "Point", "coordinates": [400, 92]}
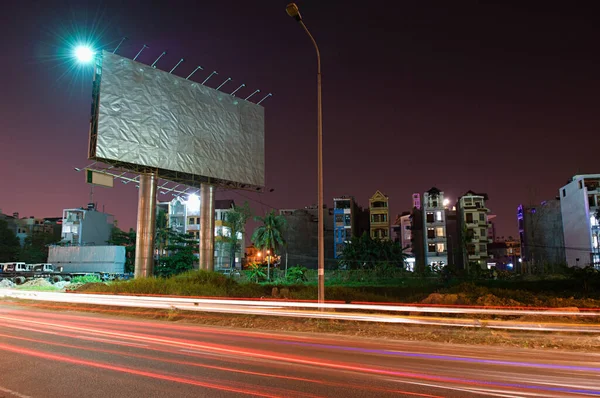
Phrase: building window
{"type": "Point", "coordinates": [441, 247]}
{"type": "Point", "coordinates": [339, 248]}
{"type": "Point", "coordinates": [431, 248]}
{"type": "Point", "coordinates": [430, 233]}
{"type": "Point", "coordinates": [347, 219]}
{"type": "Point", "coordinates": [482, 248]}
{"type": "Point", "coordinates": [430, 217]}
{"type": "Point", "coordinates": [469, 218]}
{"type": "Point", "coordinates": [593, 221]}
{"type": "Point", "coordinates": [483, 232]}
{"type": "Point", "coordinates": [438, 216]}
{"type": "Point", "coordinates": [481, 217]}
{"type": "Point", "coordinates": [471, 250]}
{"type": "Point", "coordinates": [564, 192]}
{"type": "Point", "coordinates": [339, 218]}
{"type": "Point", "coordinates": [580, 184]}
{"type": "Point", "coordinates": [434, 203]}
{"type": "Point", "coordinates": [439, 232]}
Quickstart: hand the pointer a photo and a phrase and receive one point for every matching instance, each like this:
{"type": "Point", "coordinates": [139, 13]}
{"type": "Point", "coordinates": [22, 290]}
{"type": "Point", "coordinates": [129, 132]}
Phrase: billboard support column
{"type": "Point", "coordinates": [146, 224]}
{"type": "Point", "coordinates": [207, 227]}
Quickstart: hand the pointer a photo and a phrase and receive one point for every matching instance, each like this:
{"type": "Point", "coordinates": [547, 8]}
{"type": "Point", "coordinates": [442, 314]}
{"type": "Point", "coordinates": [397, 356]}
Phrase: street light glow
{"type": "Point", "coordinates": [193, 201]}
{"type": "Point", "coordinates": [84, 54]}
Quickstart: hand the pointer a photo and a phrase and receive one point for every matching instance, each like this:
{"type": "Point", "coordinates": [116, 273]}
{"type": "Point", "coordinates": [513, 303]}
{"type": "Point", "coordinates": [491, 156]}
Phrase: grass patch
{"type": "Point", "coordinates": [540, 293]}
{"type": "Point", "coordinates": [86, 279]}
{"type": "Point", "coordinates": [39, 288]}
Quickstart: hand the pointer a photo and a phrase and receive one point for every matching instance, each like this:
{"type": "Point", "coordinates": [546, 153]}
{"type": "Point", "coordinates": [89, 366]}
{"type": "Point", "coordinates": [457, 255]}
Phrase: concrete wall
{"type": "Point", "coordinates": [543, 240]}
{"type": "Point", "coordinates": [302, 238]}
{"type": "Point", "coordinates": [110, 259]}
{"type": "Point", "coordinates": [576, 223]}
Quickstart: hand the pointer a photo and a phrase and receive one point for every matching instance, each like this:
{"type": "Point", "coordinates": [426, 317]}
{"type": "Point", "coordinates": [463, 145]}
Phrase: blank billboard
{"type": "Point", "coordinates": [142, 116]}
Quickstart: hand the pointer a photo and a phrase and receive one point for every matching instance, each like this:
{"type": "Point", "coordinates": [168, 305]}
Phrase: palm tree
{"type": "Point", "coordinates": [269, 235]}
{"type": "Point", "coordinates": [236, 219]}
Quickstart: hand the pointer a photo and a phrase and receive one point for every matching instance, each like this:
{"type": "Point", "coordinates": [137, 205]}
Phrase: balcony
{"type": "Point", "coordinates": [193, 227]}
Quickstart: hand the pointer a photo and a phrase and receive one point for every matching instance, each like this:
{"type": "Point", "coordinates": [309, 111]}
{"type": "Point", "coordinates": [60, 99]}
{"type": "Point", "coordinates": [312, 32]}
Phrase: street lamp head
{"type": "Point", "coordinates": [292, 11]}
{"type": "Point", "coordinates": [83, 54]}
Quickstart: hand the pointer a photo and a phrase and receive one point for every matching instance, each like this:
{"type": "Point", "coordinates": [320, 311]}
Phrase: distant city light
{"type": "Point", "coordinates": [509, 265]}
{"type": "Point", "coordinates": [83, 54]}
{"type": "Point", "coordinates": [446, 202]}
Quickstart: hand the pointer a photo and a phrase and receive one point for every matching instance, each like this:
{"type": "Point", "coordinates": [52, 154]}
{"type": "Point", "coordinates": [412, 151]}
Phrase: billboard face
{"type": "Point", "coordinates": [143, 116]}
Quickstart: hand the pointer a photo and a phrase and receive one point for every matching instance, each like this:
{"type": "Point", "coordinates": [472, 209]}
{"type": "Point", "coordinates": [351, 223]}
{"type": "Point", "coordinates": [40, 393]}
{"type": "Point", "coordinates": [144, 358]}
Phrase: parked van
{"type": "Point", "coordinates": [16, 267]}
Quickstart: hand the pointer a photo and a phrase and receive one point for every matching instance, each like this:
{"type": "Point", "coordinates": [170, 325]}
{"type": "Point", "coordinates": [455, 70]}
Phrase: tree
{"type": "Point", "coordinates": [367, 253]}
{"type": "Point", "coordinates": [181, 255]}
{"type": "Point", "coordinates": [269, 235]}
{"type": "Point", "coordinates": [127, 239]}
{"type": "Point", "coordinates": [35, 249]}
{"type": "Point", "coordinates": [236, 220]}
{"type": "Point", "coordinates": [9, 243]}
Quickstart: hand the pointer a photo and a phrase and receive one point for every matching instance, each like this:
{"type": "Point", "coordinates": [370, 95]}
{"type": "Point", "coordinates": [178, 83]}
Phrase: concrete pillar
{"type": "Point", "coordinates": [146, 225]}
{"type": "Point", "coordinates": [207, 227]}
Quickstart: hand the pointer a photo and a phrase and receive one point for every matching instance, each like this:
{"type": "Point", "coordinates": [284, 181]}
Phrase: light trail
{"type": "Point", "coordinates": [297, 310]}
{"type": "Point", "coordinates": [326, 364]}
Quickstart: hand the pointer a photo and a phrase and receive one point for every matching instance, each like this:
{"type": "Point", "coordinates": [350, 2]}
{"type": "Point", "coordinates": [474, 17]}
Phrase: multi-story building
{"type": "Point", "coordinates": [402, 231]}
{"type": "Point", "coordinates": [184, 217]}
{"type": "Point", "coordinates": [379, 216]}
{"type": "Point", "coordinates": [435, 249]}
{"type": "Point", "coordinates": [85, 227]}
{"type": "Point", "coordinates": [580, 217]}
{"type": "Point", "coordinates": [505, 254]}
{"type": "Point", "coordinates": [540, 234]}
{"type": "Point", "coordinates": [473, 228]}
{"type": "Point", "coordinates": [345, 223]}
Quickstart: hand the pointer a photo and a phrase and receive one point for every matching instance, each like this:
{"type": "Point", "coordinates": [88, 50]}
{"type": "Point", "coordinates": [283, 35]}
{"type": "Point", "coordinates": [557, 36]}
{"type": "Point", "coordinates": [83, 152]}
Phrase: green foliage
{"type": "Point", "coordinates": [181, 254]}
{"type": "Point", "coordinates": [296, 274]}
{"type": "Point", "coordinates": [9, 243]}
{"type": "Point", "coordinates": [269, 235]}
{"type": "Point", "coordinates": [86, 279]}
{"type": "Point", "coordinates": [35, 249]}
{"type": "Point", "coordinates": [370, 253]}
{"type": "Point", "coordinates": [127, 239]}
{"type": "Point", "coordinates": [256, 272]}
{"type": "Point", "coordinates": [236, 220]}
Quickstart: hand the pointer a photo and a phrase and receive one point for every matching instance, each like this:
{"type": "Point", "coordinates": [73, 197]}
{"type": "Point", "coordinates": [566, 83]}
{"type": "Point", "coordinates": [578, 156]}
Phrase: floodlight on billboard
{"type": "Point", "coordinates": [147, 119]}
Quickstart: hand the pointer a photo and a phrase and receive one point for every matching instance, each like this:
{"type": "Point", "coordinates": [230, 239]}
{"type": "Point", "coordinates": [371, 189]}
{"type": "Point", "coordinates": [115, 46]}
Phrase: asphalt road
{"type": "Point", "coordinates": [69, 354]}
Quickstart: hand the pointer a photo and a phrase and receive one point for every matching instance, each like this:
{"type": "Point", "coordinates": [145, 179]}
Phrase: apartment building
{"type": "Point", "coordinates": [379, 216]}
{"type": "Point", "coordinates": [580, 217]}
{"type": "Point", "coordinates": [473, 228]}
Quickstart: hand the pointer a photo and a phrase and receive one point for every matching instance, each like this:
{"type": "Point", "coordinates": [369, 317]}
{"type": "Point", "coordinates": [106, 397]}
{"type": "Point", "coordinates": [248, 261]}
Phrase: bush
{"type": "Point", "coordinates": [86, 279]}
{"type": "Point", "coordinates": [296, 274]}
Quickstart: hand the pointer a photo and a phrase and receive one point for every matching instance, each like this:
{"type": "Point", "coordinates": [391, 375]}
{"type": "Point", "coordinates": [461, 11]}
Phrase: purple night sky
{"type": "Point", "coordinates": [495, 98]}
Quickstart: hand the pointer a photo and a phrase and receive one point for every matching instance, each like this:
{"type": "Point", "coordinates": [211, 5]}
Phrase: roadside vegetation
{"type": "Point", "coordinates": [575, 288]}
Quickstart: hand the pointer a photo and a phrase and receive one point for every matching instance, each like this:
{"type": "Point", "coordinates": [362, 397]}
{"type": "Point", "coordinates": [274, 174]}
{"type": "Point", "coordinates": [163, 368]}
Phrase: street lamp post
{"type": "Point", "coordinates": [292, 11]}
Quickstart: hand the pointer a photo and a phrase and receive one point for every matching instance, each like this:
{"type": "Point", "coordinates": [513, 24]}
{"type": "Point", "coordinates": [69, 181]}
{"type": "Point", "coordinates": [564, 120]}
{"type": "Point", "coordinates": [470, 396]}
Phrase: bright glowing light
{"type": "Point", "coordinates": [520, 260]}
{"type": "Point", "coordinates": [193, 201]}
{"type": "Point", "coordinates": [446, 202]}
{"type": "Point", "coordinates": [84, 54]}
